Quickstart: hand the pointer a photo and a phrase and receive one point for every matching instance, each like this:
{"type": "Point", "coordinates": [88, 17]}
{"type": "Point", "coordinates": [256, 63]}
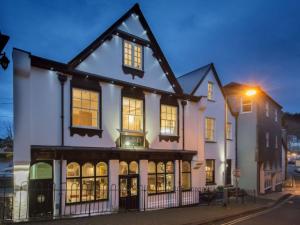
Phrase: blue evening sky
{"type": "Point", "coordinates": [249, 41]}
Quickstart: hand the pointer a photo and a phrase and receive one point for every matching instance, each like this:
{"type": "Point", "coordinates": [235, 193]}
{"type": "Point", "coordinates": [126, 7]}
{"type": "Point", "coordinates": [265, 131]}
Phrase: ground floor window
{"type": "Point", "coordinates": [87, 182]}
{"type": "Point", "coordinates": [186, 175]}
{"type": "Point", "coordinates": [210, 171]}
{"type": "Point", "coordinates": [160, 177]}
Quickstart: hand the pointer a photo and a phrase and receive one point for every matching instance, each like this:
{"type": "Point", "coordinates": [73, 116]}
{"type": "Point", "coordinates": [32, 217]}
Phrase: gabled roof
{"type": "Point", "coordinates": [232, 87]}
{"type": "Point", "coordinates": [190, 80]}
{"type": "Point", "coordinates": [153, 44]}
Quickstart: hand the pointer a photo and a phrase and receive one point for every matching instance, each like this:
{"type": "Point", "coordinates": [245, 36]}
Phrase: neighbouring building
{"type": "Point", "coordinates": [114, 129]}
{"type": "Point", "coordinates": [259, 138]}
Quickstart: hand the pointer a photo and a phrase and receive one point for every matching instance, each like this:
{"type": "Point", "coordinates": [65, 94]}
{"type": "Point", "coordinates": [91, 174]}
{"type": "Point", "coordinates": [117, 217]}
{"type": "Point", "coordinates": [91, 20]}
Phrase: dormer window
{"type": "Point", "coordinates": [133, 56]}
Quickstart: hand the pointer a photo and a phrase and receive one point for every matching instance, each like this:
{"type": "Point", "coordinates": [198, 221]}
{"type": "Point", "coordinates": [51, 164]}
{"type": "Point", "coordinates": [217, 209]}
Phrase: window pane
{"type": "Point", "coordinates": [88, 189]}
{"type": "Point", "coordinates": [73, 170]}
{"type": "Point", "coordinates": [132, 114]}
{"type": "Point", "coordinates": [170, 182]}
{"type": "Point", "coordinates": [151, 184]}
{"type": "Point", "coordinates": [73, 190]}
{"type": "Point", "coordinates": [101, 188]}
{"type": "Point", "coordinates": [151, 167]}
{"type": "Point", "coordinates": [133, 168]}
{"type": "Point", "coordinates": [170, 167]}
{"type": "Point", "coordinates": [123, 168]}
{"type": "Point", "coordinates": [209, 169]}
{"type": "Point", "coordinates": [161, 182]}
{"type": "Point", "coordinates": [40, 170]}
{"type": "Point", "coordinates": [160, 167]}
{"type": "Point", "coordinates": [186, 166]}
{"type": "Point", "coordinates": [186, 181]}
{"type": "Point", "coordinates": [168, 120]}
{"type": "Point", "coordinates": [88, 170]}
{"type": "Point", "coordinates": [101, 169]}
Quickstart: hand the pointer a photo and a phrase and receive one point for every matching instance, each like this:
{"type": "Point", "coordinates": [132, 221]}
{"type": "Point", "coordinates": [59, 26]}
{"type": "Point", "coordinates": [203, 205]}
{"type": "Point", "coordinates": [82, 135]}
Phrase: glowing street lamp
{"type": "Point", "coordinates": [251, 92]}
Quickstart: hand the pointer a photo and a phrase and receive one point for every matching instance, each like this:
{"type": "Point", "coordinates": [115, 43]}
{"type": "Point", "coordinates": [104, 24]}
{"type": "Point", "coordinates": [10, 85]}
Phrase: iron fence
{"type": "Point", "coordinates": [26, 203]}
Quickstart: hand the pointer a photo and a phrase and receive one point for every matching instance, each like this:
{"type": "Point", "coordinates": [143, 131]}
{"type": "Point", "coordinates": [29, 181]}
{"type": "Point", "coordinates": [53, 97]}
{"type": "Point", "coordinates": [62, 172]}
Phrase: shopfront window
{"type": "Point", "coordinates": [186, 175]}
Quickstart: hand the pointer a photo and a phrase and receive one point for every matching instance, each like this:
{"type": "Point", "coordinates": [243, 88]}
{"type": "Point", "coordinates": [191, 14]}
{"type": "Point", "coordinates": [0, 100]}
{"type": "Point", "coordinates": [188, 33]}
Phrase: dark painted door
{"type": "Point", "coordinates": [228, 172]}
{"type": "Point", "coordinates": [40, 198]}
{"type": "Point", "coordinates": [129, 191]}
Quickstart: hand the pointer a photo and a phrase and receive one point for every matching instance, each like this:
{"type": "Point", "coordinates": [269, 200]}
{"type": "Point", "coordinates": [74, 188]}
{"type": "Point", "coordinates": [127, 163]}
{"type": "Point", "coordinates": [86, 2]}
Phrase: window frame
{"type": "Point", "coordinates": [213, 182]}
{"type": "Point", "coordinates": [210, 97]}
{"type": "Point", "coordinates": [86, 85]}
{"type": "Point", "coordinates": [230, 137]}
{"type": "Point", "coordinates": [251, 104]}
{"type": "Point", "coordinates": [81, 177]}
{"type": "Point", "coordinates": [165, 173]}
{"type": "Point", "coordinates": [213, 140]}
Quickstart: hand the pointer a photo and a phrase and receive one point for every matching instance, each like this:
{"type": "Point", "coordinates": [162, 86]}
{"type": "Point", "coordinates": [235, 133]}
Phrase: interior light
{"type": "Point", "coordinates": [131, 119]}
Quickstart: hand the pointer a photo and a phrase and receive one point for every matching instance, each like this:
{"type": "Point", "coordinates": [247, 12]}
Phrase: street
{"type": "Point", "coordinates": [286, 213]}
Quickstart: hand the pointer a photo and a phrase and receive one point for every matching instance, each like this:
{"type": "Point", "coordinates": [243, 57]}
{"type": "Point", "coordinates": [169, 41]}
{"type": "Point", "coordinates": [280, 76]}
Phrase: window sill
{"type": "Point", "coordinates": [161, 193]}
{"type": "Point", "coordinates": [207, 141]}
{"type": "Point", "coordinates": [134, 72]}
{"type": "Point", "coordinates": [83, 202]}
{"type": "Point", "coordinates": [229, 139]}
{"type": "Point", "coordinates": [86, 131]}
{"type": "Point", "coordinates": [186, 190]}
{"type": "Point", "coordinates": [168, 138]}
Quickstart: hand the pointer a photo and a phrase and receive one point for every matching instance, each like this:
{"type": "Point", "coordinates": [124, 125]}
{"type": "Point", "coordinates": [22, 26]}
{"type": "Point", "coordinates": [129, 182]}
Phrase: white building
{"type": "Point", "coordinates": [114, 129]}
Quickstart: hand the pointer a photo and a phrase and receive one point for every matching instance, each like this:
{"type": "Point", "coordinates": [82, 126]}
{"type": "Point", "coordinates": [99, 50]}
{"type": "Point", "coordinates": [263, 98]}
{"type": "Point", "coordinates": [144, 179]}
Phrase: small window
{"type": "Point", "coordinates": [210, 171]}
{"type": "Point", "coordinates": [133, 55]}
{"type": "Point", "coordinates": [133, 114]}
{"type": "Point", "coordinates": [267, 139]}
{"type": "Point", "coordinates": [85, 108]}
{"type": "Point", "coordinates": [267, 109]}
{"type": "Point", "coordinates": [186, 175]}
{"type": "Point", "coordinates": [210, 91]}
{"type": "Point", "coordinates": [210, 129]}
{"type": "Point", "coordinates": [168, 120]}
{"type": "Point", "coordinates": [276, 115]}
{"type": "Point", "coordinates": [229, 131]}
{"type": "Point", "coordinates": [246, 105]}
{"type": "Point", "coordinates": [40, 170]}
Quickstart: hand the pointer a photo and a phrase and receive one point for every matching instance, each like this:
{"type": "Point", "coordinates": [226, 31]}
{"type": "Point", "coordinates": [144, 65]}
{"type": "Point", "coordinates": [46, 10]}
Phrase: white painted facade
{"type": "Point", "coordinates": [37, 120]}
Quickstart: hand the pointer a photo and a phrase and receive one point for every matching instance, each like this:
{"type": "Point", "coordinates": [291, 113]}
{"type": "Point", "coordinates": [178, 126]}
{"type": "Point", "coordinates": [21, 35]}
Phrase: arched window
{"type": "Point", "coordinates": [123, 168]}
{"type": "Point", "coordinates": [88, 182]}
{"type": "Point", "coordinates": [160, 177]}
{"type": "Point", "coordinates": [133, 167]}
{"type": "Point", "coordinates": [73, 182]}
{"type": "Point", "coordinates": [101, 181]}
{"type": "Point", "coordinates": [40, 170]}
{"type": "Point", "coordinates": [186, 175]}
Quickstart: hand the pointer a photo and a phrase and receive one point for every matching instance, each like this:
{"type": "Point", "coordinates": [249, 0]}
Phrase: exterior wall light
{"type": "Point", "coordinates": [251, 92]}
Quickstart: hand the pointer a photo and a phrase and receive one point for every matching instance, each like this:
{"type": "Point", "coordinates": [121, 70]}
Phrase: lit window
{"type": "Point", "coordinates": [133, 55]}
{"type": "Point", "coordinates": [168, 120]}
{"type": "Point", "coordinates": [186, 175]}
{"type": "Point", "coordinates": [267, 139]}
{"type": "Point", "coordinates": [210, 171]}
{"type": "Point", "coordinates": [229, 131]}
{"type": "Point", "coordinates": [132, 114]}
{"type": "Point", "coordinates": [267, 109]}
{"type": "Point", "coordinates": [84, 183]}
{"type": "Point", "coordinates": [276, 115]}
{"type": "Point", "coordinates": [160, 177]}
{"type": "Point", "coordinates": [210, 93]}
{"type": "Point", "coordinates": [210, 129]}
{"type": "Point", "coordinates": [246, 105]}
{"type": "Point", "coordinates": [85, 108]}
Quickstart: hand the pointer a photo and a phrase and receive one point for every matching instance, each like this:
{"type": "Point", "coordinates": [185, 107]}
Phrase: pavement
{"type": "Point", "coordinates": [177, 216]}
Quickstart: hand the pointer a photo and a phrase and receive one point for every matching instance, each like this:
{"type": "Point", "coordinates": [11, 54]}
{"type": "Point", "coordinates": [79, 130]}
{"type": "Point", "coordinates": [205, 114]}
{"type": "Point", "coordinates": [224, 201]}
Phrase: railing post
{"type": "Point", "coordinates": [144, 198]}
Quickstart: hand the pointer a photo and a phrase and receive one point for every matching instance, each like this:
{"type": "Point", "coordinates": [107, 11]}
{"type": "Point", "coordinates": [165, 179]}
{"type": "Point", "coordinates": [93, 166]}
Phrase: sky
{"type": "Point", "coordinates": [253, 41]}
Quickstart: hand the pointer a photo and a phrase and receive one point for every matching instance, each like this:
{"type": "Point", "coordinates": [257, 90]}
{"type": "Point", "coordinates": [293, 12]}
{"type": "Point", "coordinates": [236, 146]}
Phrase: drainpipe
{"type": "Point", "coordinates": [183, 104]}
{"type": "Point", "coordinates": [62, 79]}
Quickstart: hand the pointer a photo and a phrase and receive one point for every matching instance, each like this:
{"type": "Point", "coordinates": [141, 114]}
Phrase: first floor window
{"type": "Point", "coordinates": [246, 105]}
{"type": "Point", "coordinates": [210, 129]}
{"type": "Point", "coordinates": [186, 175]}
{"type": "Point", "coordinates": [160, 177]}
{"type": "Point", "coordinates": [168, 120]}
{"type": "Point", "coordinates": [85, 108]}
{"type": "Point", "coordinates": [210, 171]}
{"type": "Point", "coordinates": [229, 131]}
{"type": "Point", "coordinates": [133, 114]}
{"type": "Point", "coordinates": [87, 182]}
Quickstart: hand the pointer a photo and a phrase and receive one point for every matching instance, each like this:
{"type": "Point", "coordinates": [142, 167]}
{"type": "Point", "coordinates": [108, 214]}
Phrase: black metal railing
{"type": "Point", "coordinates": [28, 203]}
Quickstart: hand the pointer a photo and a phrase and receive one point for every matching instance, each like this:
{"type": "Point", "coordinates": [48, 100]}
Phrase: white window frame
{"type": "Point", "coordinates": [267, 139]}
{"type": "Point", "coordinates": [210, 92]}
{"type": "Point", "coordinates": [242, 98]}
{"type": "Point", "coordinates": [133, 44]}
{"type": "Point", "coordinates": [267, 109]}
{"type": "Point", "coordinates": [213, 128]}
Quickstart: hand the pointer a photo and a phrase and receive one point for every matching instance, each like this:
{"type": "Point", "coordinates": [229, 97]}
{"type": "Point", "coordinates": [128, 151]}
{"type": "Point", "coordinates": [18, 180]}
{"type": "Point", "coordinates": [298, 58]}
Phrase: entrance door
{"type": "Point", "coordinates": [40, 190]}
{"type": "Point", "coordinates": [129, 185]}
{"type": "Point", "coordinates": [228, 172]}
